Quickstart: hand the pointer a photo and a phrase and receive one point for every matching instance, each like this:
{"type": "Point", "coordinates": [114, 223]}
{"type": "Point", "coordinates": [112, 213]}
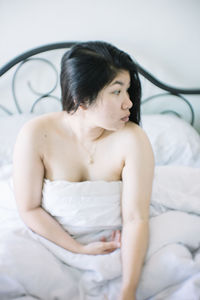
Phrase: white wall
{"type": "Point", "coordinates": [163, 35]}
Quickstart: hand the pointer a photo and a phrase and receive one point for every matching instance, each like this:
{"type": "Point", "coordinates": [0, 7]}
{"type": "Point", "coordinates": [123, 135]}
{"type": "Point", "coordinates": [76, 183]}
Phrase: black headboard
{"type": "Point", "coordinates": [19, 61]}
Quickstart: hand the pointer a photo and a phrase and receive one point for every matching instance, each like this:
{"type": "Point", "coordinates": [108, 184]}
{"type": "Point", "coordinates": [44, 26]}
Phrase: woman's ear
{"type": "Point", "coordinates": [83, 106]}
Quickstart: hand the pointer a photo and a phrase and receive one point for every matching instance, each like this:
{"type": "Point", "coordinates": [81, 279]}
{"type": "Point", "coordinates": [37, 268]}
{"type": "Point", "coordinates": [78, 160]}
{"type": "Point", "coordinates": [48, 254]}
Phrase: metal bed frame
{"type": "Point", "coordinates": [20, 60]}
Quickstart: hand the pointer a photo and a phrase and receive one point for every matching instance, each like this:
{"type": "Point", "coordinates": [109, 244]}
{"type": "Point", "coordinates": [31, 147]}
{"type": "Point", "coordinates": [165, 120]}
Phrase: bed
{"type": "Point", "coordinates": [32, 267]}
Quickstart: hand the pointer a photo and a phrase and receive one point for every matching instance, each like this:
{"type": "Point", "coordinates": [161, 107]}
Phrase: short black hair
{"type": "Point", "coordinates": [88, 67]}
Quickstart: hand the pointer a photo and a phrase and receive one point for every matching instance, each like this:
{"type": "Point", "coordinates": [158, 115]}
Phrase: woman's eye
{"type": "Point", "coordinates": [116, 92]}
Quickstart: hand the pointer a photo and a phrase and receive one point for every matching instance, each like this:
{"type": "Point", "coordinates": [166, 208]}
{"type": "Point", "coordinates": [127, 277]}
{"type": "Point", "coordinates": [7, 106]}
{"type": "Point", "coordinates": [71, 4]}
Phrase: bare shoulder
{"type": "Point", "coordinates": [37, 123]}
{"type": "Point", "coordinates": [37, 127]}
{"type": "Point", "coordinates": [134, 131]}
{"type": "Point", "coordinates": [135, 138]}
{"type": "Point", "coordinates": [33, 136]}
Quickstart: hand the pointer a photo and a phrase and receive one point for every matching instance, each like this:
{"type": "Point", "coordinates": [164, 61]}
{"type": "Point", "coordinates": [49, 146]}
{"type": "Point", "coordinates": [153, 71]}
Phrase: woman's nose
{"type": "Point", "coordinates": [127, 103]}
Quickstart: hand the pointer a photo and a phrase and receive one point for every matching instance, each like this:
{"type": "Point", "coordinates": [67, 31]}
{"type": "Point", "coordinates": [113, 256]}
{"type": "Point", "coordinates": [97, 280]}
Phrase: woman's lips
{"type": "Point", "coordinates": [125, 119]}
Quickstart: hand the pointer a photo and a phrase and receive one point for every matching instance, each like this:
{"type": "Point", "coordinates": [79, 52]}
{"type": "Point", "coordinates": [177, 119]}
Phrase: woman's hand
{"type": "Point", "coordinates": [104, 246]}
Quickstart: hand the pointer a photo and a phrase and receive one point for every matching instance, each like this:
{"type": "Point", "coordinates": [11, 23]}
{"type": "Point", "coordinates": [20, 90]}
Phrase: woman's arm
{"type": "Point", "coordinates": [137, 179]}
{"type": "Point", "coordinates": [28, 176]}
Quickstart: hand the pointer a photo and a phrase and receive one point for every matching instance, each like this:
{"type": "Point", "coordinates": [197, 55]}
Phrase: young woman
{"type": "Point", "coordinates": [96, 137]}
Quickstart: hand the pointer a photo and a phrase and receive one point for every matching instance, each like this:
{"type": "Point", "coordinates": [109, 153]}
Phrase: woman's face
{"type": "Point", "coordinates": [112, 104]}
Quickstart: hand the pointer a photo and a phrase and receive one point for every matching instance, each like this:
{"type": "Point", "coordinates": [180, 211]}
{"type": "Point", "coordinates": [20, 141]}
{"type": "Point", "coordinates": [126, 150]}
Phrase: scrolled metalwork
{"type": "Point", "coordinates": [165, 87]}
{"type": "Point", "coordinates": [172, 111]}
{"type": "Point", "coordinates": [42, 95]}
{"type": "Point", "coordinates": [32, 52]}
{"type": "Point", "coordinates": [40, 99]}
{"type": "Point", "coordinates": [28, 55]}
{"type": "Point", "coordinates": [56, 73]}
{"type": "Point", "coordinates": [7, 111]}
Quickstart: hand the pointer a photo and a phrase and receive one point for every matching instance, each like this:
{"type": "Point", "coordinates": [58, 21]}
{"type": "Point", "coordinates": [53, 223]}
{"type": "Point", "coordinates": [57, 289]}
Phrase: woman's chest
{"type": "Point", "coordinates": [71, 163]}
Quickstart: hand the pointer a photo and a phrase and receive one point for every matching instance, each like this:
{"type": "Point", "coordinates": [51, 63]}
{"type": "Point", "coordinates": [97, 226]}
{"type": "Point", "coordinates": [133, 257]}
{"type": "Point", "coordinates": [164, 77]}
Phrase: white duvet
{"type": "Point", "coordinates": [31, 267]}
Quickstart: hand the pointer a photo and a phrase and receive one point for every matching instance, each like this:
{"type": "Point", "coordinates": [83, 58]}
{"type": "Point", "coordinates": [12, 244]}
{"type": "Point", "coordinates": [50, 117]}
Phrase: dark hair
{"type": "Point", "coordinates": [88, 67]}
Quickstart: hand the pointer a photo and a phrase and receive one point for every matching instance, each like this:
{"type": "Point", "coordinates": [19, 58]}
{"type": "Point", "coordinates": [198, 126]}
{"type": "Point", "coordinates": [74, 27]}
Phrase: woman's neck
{"type": "Point", "coordinates": [83, 129]}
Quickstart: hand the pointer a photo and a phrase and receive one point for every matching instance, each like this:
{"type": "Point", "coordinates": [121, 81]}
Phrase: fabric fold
{"type": "Point", "coordinates": [92, 209]}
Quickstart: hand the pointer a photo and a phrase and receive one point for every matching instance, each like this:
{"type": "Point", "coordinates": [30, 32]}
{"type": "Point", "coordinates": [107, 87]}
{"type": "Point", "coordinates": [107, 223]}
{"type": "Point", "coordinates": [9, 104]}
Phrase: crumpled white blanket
{"type": "Point", "coordinates": [89, 210]}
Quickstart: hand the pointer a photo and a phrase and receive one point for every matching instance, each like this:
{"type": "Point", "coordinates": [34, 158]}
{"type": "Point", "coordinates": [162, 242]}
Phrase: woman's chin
{"type": "Point", "coordinates": [113, 126]}
{"type": "Point", "coordinates": [117, 126]}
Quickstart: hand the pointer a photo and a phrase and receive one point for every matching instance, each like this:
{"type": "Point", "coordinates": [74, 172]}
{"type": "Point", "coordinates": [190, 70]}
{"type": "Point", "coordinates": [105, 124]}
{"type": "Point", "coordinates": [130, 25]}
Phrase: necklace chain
{"type": "Point", "coordinates": [90, 154]}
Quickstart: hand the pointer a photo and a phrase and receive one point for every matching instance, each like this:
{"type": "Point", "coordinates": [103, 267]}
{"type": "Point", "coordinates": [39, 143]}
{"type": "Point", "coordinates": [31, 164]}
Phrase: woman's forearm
{"type": "Point", "coordinates": [39, 221]}
{"type": "Point", "coordinates": [134, 245]}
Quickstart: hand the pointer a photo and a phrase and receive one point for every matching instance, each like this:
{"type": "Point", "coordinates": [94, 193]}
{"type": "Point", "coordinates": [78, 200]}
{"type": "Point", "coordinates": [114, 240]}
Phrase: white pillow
{"type": "Point", "coordinates": [174, 141]}
{"type": "Point", "coordinates": [9, 128]}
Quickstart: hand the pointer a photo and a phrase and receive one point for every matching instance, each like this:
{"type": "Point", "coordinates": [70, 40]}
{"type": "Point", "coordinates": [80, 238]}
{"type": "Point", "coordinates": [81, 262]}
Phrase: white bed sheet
{"type": "Point", "coordinates": [31, 266]}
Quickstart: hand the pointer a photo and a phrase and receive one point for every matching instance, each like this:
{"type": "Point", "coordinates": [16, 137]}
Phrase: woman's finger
{"type": "Point", "coordinates": [118, 236]}
{"type": "Point", "coordinates": [113, 235]}
{"type": "Point", "coordinates": [111, 245]}
{"type": "Point", "coordinates": [103, 239]}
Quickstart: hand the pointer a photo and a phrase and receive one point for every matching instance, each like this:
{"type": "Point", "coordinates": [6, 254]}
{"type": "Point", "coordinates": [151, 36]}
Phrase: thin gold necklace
{"type": "Point", "coordinates": [90, 154]}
